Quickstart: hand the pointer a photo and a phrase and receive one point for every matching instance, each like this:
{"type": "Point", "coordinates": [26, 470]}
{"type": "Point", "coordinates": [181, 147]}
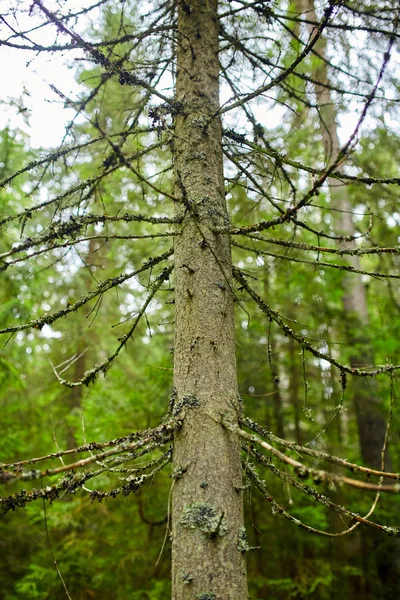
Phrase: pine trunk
{"type": "Point", "coordinates": [208, 539]}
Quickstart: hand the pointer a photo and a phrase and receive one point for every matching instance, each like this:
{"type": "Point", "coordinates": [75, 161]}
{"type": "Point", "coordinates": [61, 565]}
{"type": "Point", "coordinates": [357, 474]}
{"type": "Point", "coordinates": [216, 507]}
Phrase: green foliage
{"type": "Point", "coordinates": [111, 550]}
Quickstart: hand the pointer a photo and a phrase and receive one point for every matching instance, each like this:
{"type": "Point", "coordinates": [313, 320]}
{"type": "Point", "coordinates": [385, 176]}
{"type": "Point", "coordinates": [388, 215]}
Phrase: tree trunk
{"type": "Point", "coordinates": [208, 539]}
{"type": "Point", "coordinates": [273, 349]}
{"type": "Point", "coordinates": [75, 394]}
{"type": "Point", "coordinates": [294, 386]}
{"type": "Point", "coordinates": [367, 404]}
{"type": "Point", "coordinates": [371, 423]}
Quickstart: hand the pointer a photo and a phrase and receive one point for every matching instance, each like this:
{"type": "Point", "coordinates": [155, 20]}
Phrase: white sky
{"type": "Point", "coordinates": [46, 115]}
{"type": "Point", "coordinates": [24, 70]}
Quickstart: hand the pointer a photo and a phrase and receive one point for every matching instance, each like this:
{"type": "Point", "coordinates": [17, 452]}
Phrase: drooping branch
{"type": "Point", "coordinates": [133, 482]}
{"type": "Point", "coordinates": [89, 447]}
{"type": "Point", "coordinates": [322, 456]}
{"type": "Point", "coordinates": [105, 238]}
{"type": "Point", "coordinates": [159, 436]}
{"type": "Point", "coordinates": [283, 158]}
{"type": "Point", "coordinates": [102, 287]}
{"type": "Point", "coordinates": [318, 475]}
{"type": "Point", "coordinates": [71, 481]}
{"type": "Point", "coordinates": [277, 318]}
{"type": "Point", "coordinates": [91, 375]}
{"type": "Point", "coordinates": [138, 37]}
{"type": "Point", "coordinates": [108, 168]}
{"type": "Point", "coordinates": [329, 11]}
{"type": "Point", "coordinates": [292, 212]}
{"type": "Point", "coordinates": [124, 77]}
{"type": "Point", "coordinates": [315, 495]}
{"type": "Point", "coordinates": [336, 26]}
{"type": "Point", "coordinates": [318, 263]}
{"type": "Point", "coordinates": [73, 226]}
{"type": "Point", "coordinates": [343, 251]}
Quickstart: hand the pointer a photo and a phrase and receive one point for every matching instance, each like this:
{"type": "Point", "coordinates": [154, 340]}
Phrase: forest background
{"type": "Point", "coordinates": [316, 295]}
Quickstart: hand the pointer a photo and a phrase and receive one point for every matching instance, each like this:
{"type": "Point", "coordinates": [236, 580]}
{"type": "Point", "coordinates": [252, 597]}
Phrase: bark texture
{"type": "Point", "coordinates": [208, 539]}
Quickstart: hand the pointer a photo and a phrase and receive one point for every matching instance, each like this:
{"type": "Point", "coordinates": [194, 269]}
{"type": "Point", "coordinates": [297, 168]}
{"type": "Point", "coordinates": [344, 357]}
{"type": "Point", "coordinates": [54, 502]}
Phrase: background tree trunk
{"type": "Point", "coordinates": [208, 538]}
{"type": "Point", "coordinates": [371, 423]}
{"type": "Point", "coordinates": [365, 394]}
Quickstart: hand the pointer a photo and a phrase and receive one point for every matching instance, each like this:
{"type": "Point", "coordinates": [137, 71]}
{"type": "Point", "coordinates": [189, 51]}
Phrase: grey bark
{"type": "Point", "coordinates": [370, 421]}
{"type": "Point", "coordinates": [208, 540]}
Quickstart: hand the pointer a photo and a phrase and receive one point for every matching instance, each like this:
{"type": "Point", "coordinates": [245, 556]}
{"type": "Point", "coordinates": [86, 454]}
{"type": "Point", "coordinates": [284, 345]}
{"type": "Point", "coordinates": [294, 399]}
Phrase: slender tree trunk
{"type": "Point", "coordinates": [370, 420]}
{"type": "Point", "coordinates": [75, 398]}
{"type": "Point", "coordinates": [75, 394]}
{"type": "Point", "coordinates": [207, 509]}
{"type": "Point", "coordinates": [371, 424]}
{"type": "Point", "coordinates": [294, 386]}
{"type": "Point", "coordinates": [273, 348]}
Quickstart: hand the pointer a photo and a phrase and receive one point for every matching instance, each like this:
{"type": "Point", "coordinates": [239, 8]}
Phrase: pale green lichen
{"type": "Point", "coordinates": [200, 122]}
{"type": "Point", "coordinates": [204, 516]}
{"type": "Point", "coordinates": [178, 473]}
{"type": "Point", "coordinates": [198, 156]}
{"type": "Point", "coordinates": [188, 400]}
{"type": "Point", "coordinates": [394, 531]}
{"type": "Point", "coordinates": [243, 545]}
{"type": "Point", "coordinates": [187, 578]}
{"type": "Point", "coordinates": [172, 400]}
